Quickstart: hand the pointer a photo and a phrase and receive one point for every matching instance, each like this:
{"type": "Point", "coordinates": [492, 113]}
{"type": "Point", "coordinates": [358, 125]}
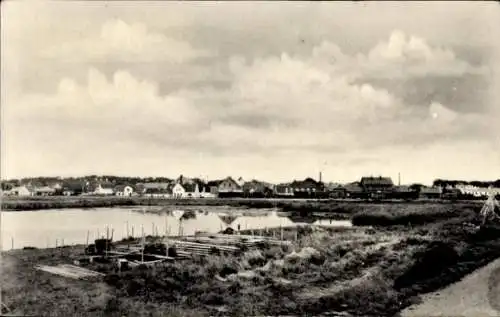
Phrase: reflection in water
{"type": "Point", "coordinates": [42, 228]}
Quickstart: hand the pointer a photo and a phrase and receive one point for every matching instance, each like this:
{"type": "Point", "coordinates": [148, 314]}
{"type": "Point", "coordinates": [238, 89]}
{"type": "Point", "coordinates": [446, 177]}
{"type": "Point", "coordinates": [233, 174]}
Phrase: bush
{"type": "Point", "coordinates": [437, 257]}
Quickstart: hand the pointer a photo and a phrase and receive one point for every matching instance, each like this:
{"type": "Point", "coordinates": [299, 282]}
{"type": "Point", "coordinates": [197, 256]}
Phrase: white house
{"type": "Point", "coordinates": [104, 189]}
{"type": "Point", "coordinates": [178, 191]}
{"type": "Point", "coordinates": [45, 191]}
{"type": "Point", "coordinates": [477, 191]}
{"type": "Point", "coordinates": [124, 190]}
{"type": "Point", "coordinates": [158, 193]}
{"type": "Point", "coordinates": [22, 191]}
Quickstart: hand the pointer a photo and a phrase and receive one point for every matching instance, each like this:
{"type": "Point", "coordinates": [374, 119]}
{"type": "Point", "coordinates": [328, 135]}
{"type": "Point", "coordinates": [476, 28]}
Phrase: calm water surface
{"type": "Point", "coordinates": [43, 228]}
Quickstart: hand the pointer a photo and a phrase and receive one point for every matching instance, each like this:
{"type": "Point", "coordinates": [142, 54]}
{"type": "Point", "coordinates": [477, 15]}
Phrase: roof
{"type": "Point", "coordinates": [29, 188]}
{"type": "Point", "coordinates": [214, 183]}
{"type": "Point", "coordinates": [380, 181]}
{"type": "Point", "coordinates": [430, 190]}
{"type": "Point", "coordinates": [107, 185]}
{"type": "Point", "coordinates": [158, 191]}
{"type": "Point", "coordinates": [120, 188]}
{"type": "Point", "coordinates": [353, 187]}
{"type": "Point", "coordinates": [308, 182]}
{"type": "Point", "coordinates": [45, 189]}
{"type": "Point", "coordinates": [403, 189]}
{"type": "Point", "coordinates": [156, 185]}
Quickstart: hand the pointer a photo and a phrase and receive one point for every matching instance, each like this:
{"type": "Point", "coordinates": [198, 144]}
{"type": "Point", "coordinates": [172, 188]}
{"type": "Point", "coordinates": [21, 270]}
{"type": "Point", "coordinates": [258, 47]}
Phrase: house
{"type": "Point", "coordinates": [256, 188]}
{"type": "Point", "coordinates": [283, 190]}
{"type": "Point", "coordinates": [123, 190]}
{"type": "Point", "coordinates": [308, 188]}
{"type": "Point", "coordinates": [471, 191]}
{"type": "Point", "coordinates": [404, 192]}
{"type": "Point", "coordinates": [377, 187]}
{"type": "Point", "coordinates": [142, 187]}
{"type": "Point", "coordinates": [158, 193]}
{"type": "Point", "coordinates": [178, 191]}
{"type": "Point", "coordinates": [103, 188]}
{"type": "Point", "coordinates": [354, 191]}
{"type": "Point", "coordinates": [45, 191]}
{"type": "Point", "coordinates": [228, 187]}
{"type": "Point", "coordinates": [22, 191]}
{"type": "Point", "coordinates": [430, 192]}
{"type": "Point", "coordinates": [338, 191]}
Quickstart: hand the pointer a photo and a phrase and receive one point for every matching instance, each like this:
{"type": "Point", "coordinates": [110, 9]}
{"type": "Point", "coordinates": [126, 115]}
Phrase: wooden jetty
{"type": "Point", "coordinates": [71, 271]}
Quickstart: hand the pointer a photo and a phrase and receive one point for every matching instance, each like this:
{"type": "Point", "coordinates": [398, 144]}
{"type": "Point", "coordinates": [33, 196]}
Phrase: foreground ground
{"type": "Point", "coordinates": [363, 271]}
{"type": "Point", "coordinates": [477, 295]}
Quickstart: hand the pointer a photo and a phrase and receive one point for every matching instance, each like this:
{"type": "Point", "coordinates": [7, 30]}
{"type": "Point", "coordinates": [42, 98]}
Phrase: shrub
{"type": "Point", "coordinates": [431, 262]}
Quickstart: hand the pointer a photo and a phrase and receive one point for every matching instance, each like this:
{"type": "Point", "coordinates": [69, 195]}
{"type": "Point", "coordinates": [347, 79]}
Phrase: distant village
{"type": "Point", "coordinates": [368, 187]}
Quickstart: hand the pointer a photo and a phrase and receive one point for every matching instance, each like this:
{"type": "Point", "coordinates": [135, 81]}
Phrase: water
{"type": "Point", "coordinates": [46, 227]}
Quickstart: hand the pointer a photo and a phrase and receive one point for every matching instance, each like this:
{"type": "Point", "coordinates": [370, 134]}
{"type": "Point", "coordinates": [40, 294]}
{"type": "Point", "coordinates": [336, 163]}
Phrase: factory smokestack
{"type": "Point", "coordinates": [320, 177]}
{"type": "Point", "coordinates": [399, 179]}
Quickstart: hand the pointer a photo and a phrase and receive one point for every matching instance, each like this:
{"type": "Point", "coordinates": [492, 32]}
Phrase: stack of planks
{"type": "Point", "coordinates": [237, 239]}
{"type": "Point", "coordinates": [203, 248]}
{"type": "Point", "coordinates": [71, 271]}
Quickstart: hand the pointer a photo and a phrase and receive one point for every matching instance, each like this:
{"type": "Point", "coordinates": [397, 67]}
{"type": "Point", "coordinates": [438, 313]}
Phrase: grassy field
{"type": "Point", "coordinates": [364, 271]}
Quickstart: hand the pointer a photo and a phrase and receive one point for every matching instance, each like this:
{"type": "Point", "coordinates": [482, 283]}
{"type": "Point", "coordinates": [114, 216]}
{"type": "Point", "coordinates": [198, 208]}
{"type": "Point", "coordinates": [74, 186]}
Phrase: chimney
{"type": "Point", "coordinates": [399, 179]}
{"type": "Point", "coordinates": [320, 177]}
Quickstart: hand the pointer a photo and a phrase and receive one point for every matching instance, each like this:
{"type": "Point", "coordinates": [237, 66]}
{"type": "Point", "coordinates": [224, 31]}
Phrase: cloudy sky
{"type": "Point", "coordinates": [273, 91]}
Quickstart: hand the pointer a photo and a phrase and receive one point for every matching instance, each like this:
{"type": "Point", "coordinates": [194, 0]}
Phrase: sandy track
{"type": "Point", "coordinates": [476, 295]}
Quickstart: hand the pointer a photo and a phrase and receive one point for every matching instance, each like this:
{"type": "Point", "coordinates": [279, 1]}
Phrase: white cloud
{"type": "Point", "coordinates": [119, 41]}
{"type": "Point", "coordinates": [275, 107]}
{"type": "Point", "coordinates": [400, 56]}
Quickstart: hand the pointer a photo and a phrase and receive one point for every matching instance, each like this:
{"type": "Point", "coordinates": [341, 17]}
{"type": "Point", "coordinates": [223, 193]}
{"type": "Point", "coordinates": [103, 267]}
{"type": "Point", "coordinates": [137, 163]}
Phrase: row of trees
{"type": "Point", "coordinates": [45, 181]}
{"type": "Point", "coordinates": [444, 183]}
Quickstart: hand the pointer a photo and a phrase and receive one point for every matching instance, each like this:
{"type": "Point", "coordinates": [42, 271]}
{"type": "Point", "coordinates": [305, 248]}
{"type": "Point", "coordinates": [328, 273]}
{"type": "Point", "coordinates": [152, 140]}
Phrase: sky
{"type": "Point", "coordinates": [274, 91]}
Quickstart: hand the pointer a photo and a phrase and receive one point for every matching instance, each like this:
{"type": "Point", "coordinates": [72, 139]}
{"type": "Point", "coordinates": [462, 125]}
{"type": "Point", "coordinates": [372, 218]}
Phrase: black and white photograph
{"type": "Point", "coordinates": [250, 158]}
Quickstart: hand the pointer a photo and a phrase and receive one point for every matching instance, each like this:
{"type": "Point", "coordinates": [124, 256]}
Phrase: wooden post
{"type": "Point", "coordinates": [106, 244]}
{"type": "Point", "coordinates": [142, 252]}
{"type": "Point", "coordinates": [87, 241]}
{"type": "Point", "coordinates": [166, 236]}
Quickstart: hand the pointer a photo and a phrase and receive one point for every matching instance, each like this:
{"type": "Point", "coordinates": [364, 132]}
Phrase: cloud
{"type": "Point", "coordinates": [119, 41]}
{"type": "Point", "coordinates": [400, 56]}
{"type": "Point", "coordinates": [274, 107]}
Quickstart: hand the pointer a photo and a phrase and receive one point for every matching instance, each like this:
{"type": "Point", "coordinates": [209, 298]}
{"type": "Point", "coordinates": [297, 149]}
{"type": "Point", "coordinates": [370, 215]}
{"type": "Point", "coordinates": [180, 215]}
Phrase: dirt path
{"type": "Point", "coordinates": [476, 295]}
